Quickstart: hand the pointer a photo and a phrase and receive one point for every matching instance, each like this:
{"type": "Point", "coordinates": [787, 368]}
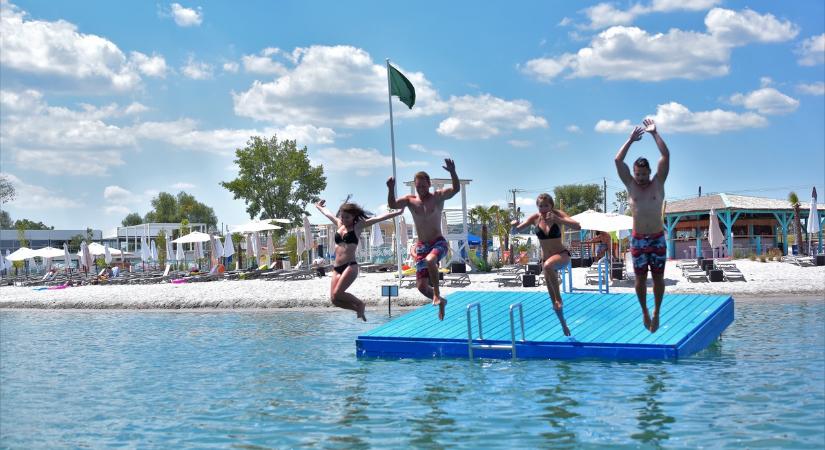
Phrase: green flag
{"type": "Point", "coordinates": [402, 87]}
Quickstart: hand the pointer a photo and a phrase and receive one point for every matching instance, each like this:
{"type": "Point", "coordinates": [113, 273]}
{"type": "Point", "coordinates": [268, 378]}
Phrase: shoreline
{"type": "Point", "coordinates": [764, 281]}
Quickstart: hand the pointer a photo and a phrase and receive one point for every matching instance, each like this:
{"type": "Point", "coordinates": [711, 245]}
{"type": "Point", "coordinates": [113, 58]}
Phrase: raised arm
{"type": "Point", "coordinates": [621, 166]}
{"type": "Point", "coordinates": [528, 221]}
{"type": "Point", "coordinates": [449, 192]}
{"type": "Point", "coordinates": [382, 217]}
{"type": "Point", "coordinates": [392, 202]}
{"type": "Point", "coordinates": [664, 161]}
{"type": "Point", "coordinates": [326, 212]}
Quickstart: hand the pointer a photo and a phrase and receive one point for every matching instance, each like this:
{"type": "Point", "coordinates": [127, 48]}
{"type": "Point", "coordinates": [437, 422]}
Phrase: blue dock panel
{"type": "Point", "coordinates": [604, 326]}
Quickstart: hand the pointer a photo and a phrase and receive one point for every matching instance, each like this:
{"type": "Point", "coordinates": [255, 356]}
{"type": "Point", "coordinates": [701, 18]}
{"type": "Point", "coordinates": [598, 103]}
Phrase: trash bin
{"type": "Point", "coordinates": [715, 275]}
{"type": "Point", "coordinates": [617, 273]}
{"type": "Point", "coordinates": [820, 260]}
{"type": "Point", "coordinates": [534, 269]}
{"type": "Point", "coordinates": [528, 280]}
{"type": "Point", "coordinates": [457, 267]}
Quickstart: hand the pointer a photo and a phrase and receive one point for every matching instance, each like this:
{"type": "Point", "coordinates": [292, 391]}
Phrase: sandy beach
{"type": "Point", "coordinates": [770, 279]}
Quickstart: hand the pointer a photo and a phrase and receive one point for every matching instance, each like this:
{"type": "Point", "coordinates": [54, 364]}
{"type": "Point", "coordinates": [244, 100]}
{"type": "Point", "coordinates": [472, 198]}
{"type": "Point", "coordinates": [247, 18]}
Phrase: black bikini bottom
{"type": "Point", "coordinates": [340, 269]}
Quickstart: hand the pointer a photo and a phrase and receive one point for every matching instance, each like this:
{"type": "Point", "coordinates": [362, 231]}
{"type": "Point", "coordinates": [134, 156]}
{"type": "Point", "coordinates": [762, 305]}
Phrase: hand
{"type": "Point", "coordinates": [321, 203]}
{"type": "Point", "coordinates": [637, 133]}
{"type": "Point", "coordinates": [550, 217]}
{"type": "Point", "coordinates": [449, 165]}
{"type": "Point", "coordinates": [650, 127]}
{"type": "Point", "coordinates": [514, 223]}
{"type": "Point", "coordinates": [390, 182]}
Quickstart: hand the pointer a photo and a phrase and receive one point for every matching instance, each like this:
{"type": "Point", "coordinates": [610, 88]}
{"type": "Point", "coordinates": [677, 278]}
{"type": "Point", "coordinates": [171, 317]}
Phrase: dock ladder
{"type": "Point", "coordinates": [481, 346]}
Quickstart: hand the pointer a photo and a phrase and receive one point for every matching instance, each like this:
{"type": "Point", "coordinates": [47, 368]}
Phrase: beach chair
{"type": "Point", "coordinates": [693, 273]}
{"type": "Point", "coordinates": [729, 271]}
{"type": "Point", "coordinates": [510, 280]}
{"type": "Point", "coordinates": [801, 261]}
{"type": "Point", "coordinates": [457, 279]}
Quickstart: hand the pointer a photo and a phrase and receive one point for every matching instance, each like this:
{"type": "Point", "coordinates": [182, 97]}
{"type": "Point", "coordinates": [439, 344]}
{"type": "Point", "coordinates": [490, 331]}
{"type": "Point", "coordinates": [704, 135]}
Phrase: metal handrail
{"type": "Point", "coordinates": [513, 327]}
{"type": "Point", "coordinates": [477, 306]}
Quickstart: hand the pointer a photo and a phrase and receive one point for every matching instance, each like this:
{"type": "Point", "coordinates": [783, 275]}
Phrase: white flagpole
{"type": "Point", "coordinates": [395, 188]}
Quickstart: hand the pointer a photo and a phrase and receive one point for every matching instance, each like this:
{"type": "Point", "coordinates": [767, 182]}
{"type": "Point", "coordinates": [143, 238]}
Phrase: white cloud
{"type": "Point", "coordinates": [332, 86]}
{"type": "Point", "coordinates": [519, 143]}
{"type": "Point", "coordinates": [263, 63]}
{"type": "Point", "coordinates": [573, 129]}
{"type": "Point", "coordinates": [766, 101]}
{"type": "Point", "coordinates": [230, 66]}
{"type": "Point", "coordinates": [117, 210]}
{"type": "Point", "coordinates": [183, 185]}
{"type": "Point", "coordinates": [604, 15]}
{"type": "Point", "coordinates": [484, 116]}
{"type": "Point", "coordinates": [632, 53]}
{"type": "Point", "coordinates": [186, 17]}
{"type": "Point", "coordinates": [676, 118]}
{"type": "Point", "coordinates": [30, 196]}
{"type": "Point", "coordinates": [197, 70]}
{"type": "Point", "coordinates": [59, 140]}
{"type": "Point", "coordinates": [121, 201]}
{"type": "Point", "coordinates": [420, 148]}
{"type": "Point", "coordinates": [817, 88]}
{"type": "Point", "coordinates": [56, 56]}
{"type": "Point", "coordinates": [153, 66]}
{"type": "Point", "coordinates": [117, 194]}
{"type": "Point", "coordinates": [811, 51]}
{"type": "Point", "coordinates": [565, 21]}
{"type": "Point", "coordinates": [360, 160]}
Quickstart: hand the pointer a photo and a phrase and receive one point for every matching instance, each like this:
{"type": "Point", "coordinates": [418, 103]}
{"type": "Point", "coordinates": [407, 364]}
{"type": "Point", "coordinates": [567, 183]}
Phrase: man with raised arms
{"type": "Point", "coordinates": [426, 208]}
{"type": "Point", "coordinates": [646, 196]}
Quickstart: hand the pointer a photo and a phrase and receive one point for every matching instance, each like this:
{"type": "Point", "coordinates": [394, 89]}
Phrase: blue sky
{"type": "Point", "coordinates": [104, 104]}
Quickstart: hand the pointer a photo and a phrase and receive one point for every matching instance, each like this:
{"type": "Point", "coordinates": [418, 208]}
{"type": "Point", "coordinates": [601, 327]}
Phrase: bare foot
{"type": "Point", "coordinates": [654, 323]}
{"type": "Point", "coordinates": [646, 320]}
{"type": "Point", "coordinates": [565, 329]}
{"type": "Point", "coordinates": [442, 304]}
{"type": "Point", "coordinates": [361, 311]}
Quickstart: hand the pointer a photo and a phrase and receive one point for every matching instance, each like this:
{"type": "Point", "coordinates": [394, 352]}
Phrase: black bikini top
{"type": "Point", "coordinates": [554, 233]}
{"type": "Point", "coordinates": [349, 238]}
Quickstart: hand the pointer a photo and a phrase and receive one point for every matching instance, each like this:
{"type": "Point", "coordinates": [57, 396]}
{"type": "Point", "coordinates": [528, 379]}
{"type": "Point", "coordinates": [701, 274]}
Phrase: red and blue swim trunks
{"type": "Point", "coordinates": [437, 246]}
{"type": "Point", "coordinates": [648, 250]}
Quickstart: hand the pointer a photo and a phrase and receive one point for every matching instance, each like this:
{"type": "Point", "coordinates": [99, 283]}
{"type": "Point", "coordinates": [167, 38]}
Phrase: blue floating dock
{"type": "Point", "coordinates": [605, 326]}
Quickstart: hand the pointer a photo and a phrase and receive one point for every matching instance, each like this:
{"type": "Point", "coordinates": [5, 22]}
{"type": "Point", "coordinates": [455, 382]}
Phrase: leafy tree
{"type": "Point", "coordinates": [576, 198]}
{"type": "Point", "coordinates": [89, 235]}
{"type": "Point", "coordinates": [160, 241]}
{"type": "Point", "coordinates": [132, 219]}
{"type": "Point", "coordinates": [292, 248]}
{"type": "Point", "coordinates": [74, 243]}
{"type": "Point", "coordinates": [794, 199]}
{"type": "Point", "coordinates": [275, 179]}
{"type": "Point", "coordinates": [168, 208]}
{"type": "Point", "coordinates": [7, 192]}
{"type": "Point", "coordinates": [27, 224]}
{"type": "Point", "coordinates": [481, 215]}
{"type": "Point", "coordinates": [5, 221]}
{"type": "Point", "coordinates": [621, 201]}
{"type": "Point", "coordinates": [165, 209]}
{"type": "Point", "coordinates": [500, 223]}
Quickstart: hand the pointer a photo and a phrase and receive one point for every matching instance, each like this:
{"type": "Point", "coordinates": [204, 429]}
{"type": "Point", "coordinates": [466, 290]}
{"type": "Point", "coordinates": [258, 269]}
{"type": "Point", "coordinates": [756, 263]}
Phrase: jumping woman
{"type": "Point", "coordinates": [555, 255]}
{"type": "Point", "coordinates": [350, 221]}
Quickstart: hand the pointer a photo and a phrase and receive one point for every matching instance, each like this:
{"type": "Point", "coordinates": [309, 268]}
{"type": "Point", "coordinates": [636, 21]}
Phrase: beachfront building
{"type": "Point", "coordinates": [751, 225]}
{"type": "Point", "coordinates": [128, 238]}
{"type": "Point", "coordinates": [9, 239]}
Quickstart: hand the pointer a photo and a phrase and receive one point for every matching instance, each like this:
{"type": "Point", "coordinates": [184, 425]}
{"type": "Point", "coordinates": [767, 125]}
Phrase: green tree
{"type": "Point", "coordinates": [27, 224]}
{"type": "Point", "coordinates": [5, 221]}
{"type": "Point", "coordinates": [292, 248]}
{"type": "Point", "coordinates": [164, 209]}
{"type": "Point", "coordinates": [90, 234]}
{"type": "Point", "coordinates": [74, 243]}
{"type": "Point", "coordinates": [275, 179]}
{"type": "Point", "coordinates": [500, 219]}
{"type": "Point", "coordinates": [195, 211]}
{"type": "Point", "coordinates": [7, 192]}
{"type": "Point", "coordinates": [160, 242]}
{"type": "Point", "coordinates": [576, 198]}
{"type": "Point", "coordinates": [132, 219]}
{"type": "Point", "coordinates": [794, 199]}
{"type": "Point", "coordinates": [184, 227]}
{"type": "Point", "coordinates": [621, 201]}
{"type": "Point", "coordinates": [481, 215]}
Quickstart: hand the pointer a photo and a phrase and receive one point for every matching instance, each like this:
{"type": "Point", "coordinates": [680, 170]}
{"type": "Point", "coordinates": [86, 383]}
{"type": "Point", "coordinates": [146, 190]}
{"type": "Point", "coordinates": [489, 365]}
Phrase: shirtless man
{"type": "Point", "coordinates": [646, 194]}
{"type": "Point", "coordinates": [426, 209]}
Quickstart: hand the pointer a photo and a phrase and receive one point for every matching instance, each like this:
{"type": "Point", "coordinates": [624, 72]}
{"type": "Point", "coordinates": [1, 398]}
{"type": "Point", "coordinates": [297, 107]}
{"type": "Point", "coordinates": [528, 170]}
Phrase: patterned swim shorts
{"type": "Point", "coordinates": [648, 250]}
{"type": "Point", "coordinates": [438, 246]}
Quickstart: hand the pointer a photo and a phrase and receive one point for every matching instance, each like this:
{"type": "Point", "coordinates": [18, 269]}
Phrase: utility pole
{"type": "Point", "coordinates": [605, 194]}
{"type": "Point", "coordinates": [515, 217]}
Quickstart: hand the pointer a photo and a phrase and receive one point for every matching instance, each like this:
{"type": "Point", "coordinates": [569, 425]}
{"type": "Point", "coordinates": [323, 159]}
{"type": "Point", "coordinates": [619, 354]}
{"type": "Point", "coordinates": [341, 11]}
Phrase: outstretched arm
{"type": "Point", "coordinates": [621, 166]}
{"type": "Point", "coordinates": [446, 193]}
{"type": "Point", "coordinates": [382, 217]}
{"type": "Point", "coordinates": [392, 202]}
{"type": "Point", "coordinates": [528, 221]}
{"type": "Point", "coordinates": [664, 161]}
{"type": "Point", "coordinates": [326, 212]}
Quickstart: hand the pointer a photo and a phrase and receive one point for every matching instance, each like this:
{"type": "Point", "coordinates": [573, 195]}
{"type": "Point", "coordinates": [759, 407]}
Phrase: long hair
{"type": "Point", "coordinates": [354, 209]}
{"type": "Point", "coordinates": [545, 197]}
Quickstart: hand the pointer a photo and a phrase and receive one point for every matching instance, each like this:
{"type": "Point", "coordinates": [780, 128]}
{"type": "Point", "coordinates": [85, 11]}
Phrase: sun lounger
{"type": "Point", "coordinates": [801, 261]}
{"type": "Point", "coordinates": [509, 280]}
{"type": "Point", "coordinates": [457, 279]}
{"type": "Point", "coordinates": [694, 273]}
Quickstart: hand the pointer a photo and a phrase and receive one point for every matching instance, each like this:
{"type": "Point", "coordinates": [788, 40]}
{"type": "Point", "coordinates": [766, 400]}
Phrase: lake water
{"type": "Point", "coordinates": [261, 379]}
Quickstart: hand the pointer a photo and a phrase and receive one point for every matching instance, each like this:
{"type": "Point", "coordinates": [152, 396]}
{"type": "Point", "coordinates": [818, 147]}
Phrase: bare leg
{"type": "Point", "coordinates": [552, 280]}
{"type": "Point", "coordinates": [658, 294]}
{"type": "Point", "coordinates": [641, 293]}
{"type": "Point", "coordinates": [432, 268]}
{"type": "Point", "coordinates": [341, 298]}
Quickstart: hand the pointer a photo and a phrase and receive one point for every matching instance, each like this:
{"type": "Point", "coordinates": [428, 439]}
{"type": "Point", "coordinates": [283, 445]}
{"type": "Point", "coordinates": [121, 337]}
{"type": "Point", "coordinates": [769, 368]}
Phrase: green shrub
{"type": "Point", "coordinates": [479, 264]}
{"type": "Point", "coordinates": [752, 257]}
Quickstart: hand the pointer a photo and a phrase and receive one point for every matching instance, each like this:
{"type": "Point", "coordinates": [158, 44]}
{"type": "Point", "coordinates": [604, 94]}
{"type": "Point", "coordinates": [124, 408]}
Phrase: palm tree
{"type": "Point", "coordinates": [481, 215]}
{"type": "Point", "coordinates": [794, 199]}
{"type": "Point", "coordinates": [500, 219]}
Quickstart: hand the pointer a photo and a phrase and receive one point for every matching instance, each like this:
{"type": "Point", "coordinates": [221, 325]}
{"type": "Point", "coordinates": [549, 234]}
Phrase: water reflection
{"type": "Point", "coordinates": [653, 422]}
{"type": "Point", "coordinates": [436, 422]}
{"type": "Point", "coordinates": [557, 406]}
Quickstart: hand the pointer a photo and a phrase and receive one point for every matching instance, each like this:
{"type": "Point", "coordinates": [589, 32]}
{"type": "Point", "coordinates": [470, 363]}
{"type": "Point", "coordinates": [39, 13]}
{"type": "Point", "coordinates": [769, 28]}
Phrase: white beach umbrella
{"type": "Point", "coordinates": [85, 255]}
{"type": "Point", "coordinates": [213, 251]}
{"type": "Point", "coordinates": [286, 221]}
{"type": "Point", "coordinates": [48, 252]}
{"type": "Point", "coordinates": [169, 255]}
{"type": "Point", "coordinates": [67, 257]}
{"type": "Point", "coordinates": [255, 226]}
{"type": "Point", "coordinates": [228, 245]}
{"type": "Point", "coordinates": [299, 244]}
{"type": "Point", "coordinates": [402, 231]}
{"type": "Point", "coordinates": [218, 247]}
{"type": "Point", "coordinates": [195, 236]}
{"type": "Point", "coordinates": [145, 253]}
{"type": "Point", "coordinates": [248, 241]}
{"type": "Point", "coordinates": [2, 262]}
{"type": "Point", "coordinates": [107, 255]}
{"type": "Point", "coordinates": [21, 254]}
{"type": "Point", "coordinates": [179, 255]}
{"type": "Point", "coordinates": [599, 221]}
{"type": "Point", "coordinates": [715, 237]}
{"type": "Point", "coordinates": [270, 245]}
{"type": "Point", "coordinates": [331, 240]}
{"type": "Point", "coordinates": [153, 251]}
{"type": "Point", "coordinates": [813, 218]}
{"type": "Point", "coordinates": [308, 242]}
{"type": "Point", "coordinates": [376, 238]}
{"type": "Point", "coordinates": [256, 245]}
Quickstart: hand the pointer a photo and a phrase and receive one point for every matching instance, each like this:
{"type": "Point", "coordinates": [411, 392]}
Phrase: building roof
{"type": "Point", "coordinates": [730, 201]}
